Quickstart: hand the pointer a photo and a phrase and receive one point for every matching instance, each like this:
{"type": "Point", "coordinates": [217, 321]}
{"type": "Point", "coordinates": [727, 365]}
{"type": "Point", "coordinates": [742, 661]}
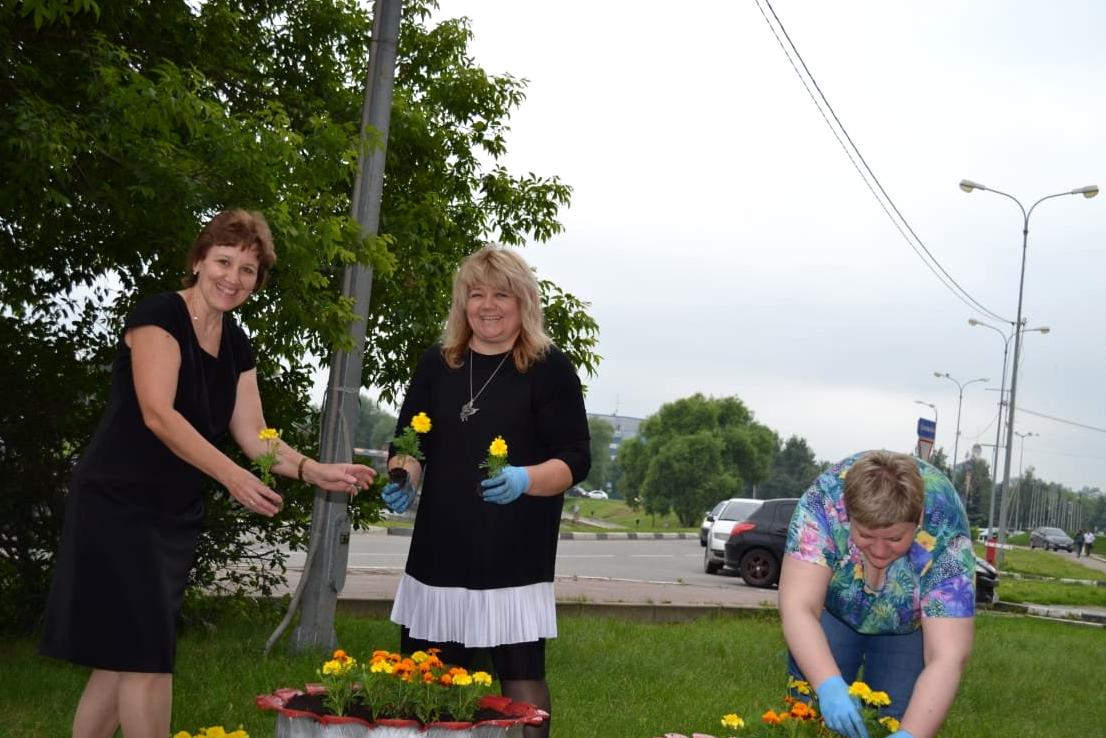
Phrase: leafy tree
{"type": "Point", "coordinates": [793, 470]}
{"type": "Point", "coordinates": [602, 432]}
{"type": "Point", "coordinates": [375, 427]}
{"type": "Point", "coordinates": [124, 125]}
{"type": "Point", "coordinates": [694, 452]}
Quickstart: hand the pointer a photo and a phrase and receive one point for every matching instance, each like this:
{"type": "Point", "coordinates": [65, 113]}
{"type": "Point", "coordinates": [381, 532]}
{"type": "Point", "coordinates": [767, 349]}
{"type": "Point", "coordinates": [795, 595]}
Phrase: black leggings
{"type": "Point", "coordinates": [509, 662]}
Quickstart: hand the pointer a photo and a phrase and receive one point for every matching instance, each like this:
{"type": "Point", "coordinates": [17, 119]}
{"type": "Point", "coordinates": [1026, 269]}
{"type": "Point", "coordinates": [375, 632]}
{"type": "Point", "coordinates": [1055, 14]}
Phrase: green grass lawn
{"type": "Point", "coordinates": [1055, 566]}
{"type": "Point", "coordinates": [619, 513]}
{"type": "Point", "coordinates": [609, 677]}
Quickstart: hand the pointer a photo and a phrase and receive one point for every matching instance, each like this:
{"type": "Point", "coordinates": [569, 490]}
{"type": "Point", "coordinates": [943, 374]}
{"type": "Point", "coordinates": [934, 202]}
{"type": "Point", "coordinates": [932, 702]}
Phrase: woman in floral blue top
{"type": "Point", "coordinates": [879, 574]}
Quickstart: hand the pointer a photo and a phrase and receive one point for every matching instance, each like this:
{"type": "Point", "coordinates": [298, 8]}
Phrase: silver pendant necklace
{"type": "Point", "coordinates": [469, 408]}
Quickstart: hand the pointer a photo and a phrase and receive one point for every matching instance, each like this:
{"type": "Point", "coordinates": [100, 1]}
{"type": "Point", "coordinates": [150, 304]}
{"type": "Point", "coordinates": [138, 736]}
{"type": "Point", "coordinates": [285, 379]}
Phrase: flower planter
{"type": "Point", "coordinates": [506, 720]}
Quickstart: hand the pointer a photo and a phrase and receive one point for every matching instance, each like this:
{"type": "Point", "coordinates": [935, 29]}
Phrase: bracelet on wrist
{"type": "Point", "coordinates": [299, 469]}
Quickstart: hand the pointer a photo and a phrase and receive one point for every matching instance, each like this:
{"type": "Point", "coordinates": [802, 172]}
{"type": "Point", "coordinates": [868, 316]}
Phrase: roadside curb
{"type": "Point", "coordinates": [1062, 580]}
{"type": "Point", "coordinates": [1066, 614]}
{"type": "Point", "coordinates": [628, 536]}
{"type": "Point", "coordinates": [574, 536]}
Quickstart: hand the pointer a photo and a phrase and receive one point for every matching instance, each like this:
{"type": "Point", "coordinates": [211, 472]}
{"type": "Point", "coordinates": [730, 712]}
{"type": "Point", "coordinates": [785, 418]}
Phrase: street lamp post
{"type": "Point", "coordinates": [1001, 404]}
{"type": "Point", "coordinates": [959, 403]}
{"type": "Point", "coordinates": [1021, 462]}
{"type": "Point", "coordinates": [967, 185]}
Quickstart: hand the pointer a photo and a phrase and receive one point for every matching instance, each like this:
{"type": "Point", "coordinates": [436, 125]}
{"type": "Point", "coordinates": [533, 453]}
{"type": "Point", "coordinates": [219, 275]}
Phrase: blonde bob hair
{"type": "Point", "coordinates": [883, 488]}
{"type": "Point", "coordinates": [496, 268]}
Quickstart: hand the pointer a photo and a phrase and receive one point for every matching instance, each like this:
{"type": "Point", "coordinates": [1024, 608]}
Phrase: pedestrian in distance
{"type": "Point", "coordinates": [1088, 542]}
{"type": "Point", "coordinates": [878, 577]}
{"type": "Point", "coordinates": [184, 375]}
{"type": "Point", "coordinates": [479, 575]}
{"type": "Point", "coordinates": [1077, 543]}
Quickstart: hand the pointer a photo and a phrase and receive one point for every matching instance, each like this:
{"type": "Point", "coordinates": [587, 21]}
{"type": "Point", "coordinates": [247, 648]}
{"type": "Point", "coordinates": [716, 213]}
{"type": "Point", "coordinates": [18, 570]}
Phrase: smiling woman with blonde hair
{"type": "Point", "coordinates": [479, 575]}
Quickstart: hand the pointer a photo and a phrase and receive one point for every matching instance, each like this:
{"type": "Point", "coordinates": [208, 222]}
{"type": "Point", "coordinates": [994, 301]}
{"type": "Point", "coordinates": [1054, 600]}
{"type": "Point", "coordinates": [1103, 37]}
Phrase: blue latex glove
{"type": "Point", "coordinates": [398, 497]}
{"type": "Point", "coordinates": [840, 710]}
{"type": "Point", "coordinates": [506, 486]}
{"type": "Point", "coordinates": [900, 734]}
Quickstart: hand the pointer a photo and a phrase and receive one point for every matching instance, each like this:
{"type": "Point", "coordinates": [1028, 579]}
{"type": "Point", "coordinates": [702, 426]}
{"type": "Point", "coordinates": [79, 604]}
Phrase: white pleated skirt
{"type": "Point", "coordinates": [476, 618]}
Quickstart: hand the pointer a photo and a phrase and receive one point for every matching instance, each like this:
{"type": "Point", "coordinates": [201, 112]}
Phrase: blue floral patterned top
{"type": "Point", "coordinates": [935, 579]}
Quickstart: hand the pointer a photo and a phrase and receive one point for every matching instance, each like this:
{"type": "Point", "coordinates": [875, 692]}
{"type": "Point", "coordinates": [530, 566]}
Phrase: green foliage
{"type": "Point", "coordinates": [124, 125]}
{"type": "Point", "coordinates": [793, 470]}
{"type": "Point", "coordinates": [375, 427]}
{"type": "Point", "coordinates": [694, 452]}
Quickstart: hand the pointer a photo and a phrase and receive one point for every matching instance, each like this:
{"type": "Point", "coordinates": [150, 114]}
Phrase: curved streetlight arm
{"type": "Point", "coordinates": [967, 185]}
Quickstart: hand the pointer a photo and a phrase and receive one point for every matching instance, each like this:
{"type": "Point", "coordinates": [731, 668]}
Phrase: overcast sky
{"type": "Point", "coordinates": [728, 246]}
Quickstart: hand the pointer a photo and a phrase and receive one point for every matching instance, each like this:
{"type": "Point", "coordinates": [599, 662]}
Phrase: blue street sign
{"type": "Point", "coordinates": [927, 429]}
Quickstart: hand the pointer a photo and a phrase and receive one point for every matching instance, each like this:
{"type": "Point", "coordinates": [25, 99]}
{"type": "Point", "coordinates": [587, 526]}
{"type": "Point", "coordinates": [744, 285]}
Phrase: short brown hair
{"type": "Point", "coordinates": [242, 228]}
{"type": "Point", "coordinates": [501, 269]}
{"type": "Point", "coordinates": [883, 488]}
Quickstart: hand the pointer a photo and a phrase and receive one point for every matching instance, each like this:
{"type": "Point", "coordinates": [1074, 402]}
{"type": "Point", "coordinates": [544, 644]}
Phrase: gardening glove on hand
{"type": "Point", "coordinates": [900, 734]}
{"type": "Point", "coordinates": [506, 486]}
{"type": "Point", "coordinates": [398, 497]}
{"type": "Point", "coordinates": [839, 709]}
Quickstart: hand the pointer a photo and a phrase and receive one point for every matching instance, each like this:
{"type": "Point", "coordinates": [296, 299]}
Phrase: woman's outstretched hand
{"type": "Point", "coordinates": [349, 478]}
{"type": "Point", "coordinates": [253, 495]}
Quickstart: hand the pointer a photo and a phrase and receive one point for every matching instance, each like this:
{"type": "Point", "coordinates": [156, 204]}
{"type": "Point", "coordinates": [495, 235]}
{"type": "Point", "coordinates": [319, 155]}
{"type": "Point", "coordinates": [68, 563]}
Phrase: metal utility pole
{"type": "Point", "coordinates": [324, 572]}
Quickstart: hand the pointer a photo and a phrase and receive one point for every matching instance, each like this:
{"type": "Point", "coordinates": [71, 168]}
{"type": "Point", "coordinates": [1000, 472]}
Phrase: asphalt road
{"type": "Point", "coordinates": [612, 571]}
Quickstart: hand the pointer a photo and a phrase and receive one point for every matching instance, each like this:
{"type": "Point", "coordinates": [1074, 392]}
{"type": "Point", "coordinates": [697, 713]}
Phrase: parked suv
{"type": "Point", "coordinates": [1051, 539]}
{"type": "Point", "coordinates": [736, 510]}
{"type": "Point", "coordinates": [755, 546]}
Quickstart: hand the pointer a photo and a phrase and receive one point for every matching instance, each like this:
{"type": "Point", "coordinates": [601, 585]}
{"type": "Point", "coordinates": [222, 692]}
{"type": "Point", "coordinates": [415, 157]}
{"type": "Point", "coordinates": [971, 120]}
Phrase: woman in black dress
{"type": "Point", "coordinates": [184, 375]}
{"type": "Point", "coordinates": [479, 574]}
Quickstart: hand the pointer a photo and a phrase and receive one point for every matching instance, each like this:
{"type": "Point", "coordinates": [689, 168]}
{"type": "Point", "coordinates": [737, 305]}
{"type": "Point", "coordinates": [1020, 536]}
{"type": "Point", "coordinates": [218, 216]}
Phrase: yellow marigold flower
{"type": "Point", "coordinates": [925, 539]}
{"type": "Point", "coordinates": [878, 699]}
{"type": "Point", "coordinates": [861, 690]}
{"type": "Point", "coordinates": [419, 656]}
{"type": "Point", "coordinates": [732, 721]}
{"type": "Point", "coordinates": [182, 734]}
{"type": "Point", "coordinates": [462, 680]}
{"type": "Point", "coordinates": [381, 667]}
{"type": "Point", "coordinates": [216, 731]}
{"type": "Point", "coordinates": [421, 423]}
{"type": "Point", "coordinates": [332, 667]}
{"type": "Point", "coordinates": [483, 678]}
{"type": "Point", "coordinates": [238, 734]}
{"type": "Point", "coordinates": [890, 723]}
{"type": "Point", "coordinates": [799, 685]}
{"type": "Point", "coordinates": [266, 434]}
{"type": "Point", "coordinates": [498, 447]}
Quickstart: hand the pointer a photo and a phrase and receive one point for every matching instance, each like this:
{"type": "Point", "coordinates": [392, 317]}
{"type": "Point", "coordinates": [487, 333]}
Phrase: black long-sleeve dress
{"type": "Point", "coordinates": [134, 509]}
{"type": "Point", "coordinates": [479, 573]}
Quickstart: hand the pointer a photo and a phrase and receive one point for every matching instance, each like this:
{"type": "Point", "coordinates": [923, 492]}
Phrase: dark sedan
{"type": "Point", "coordinates": [1051, 539]}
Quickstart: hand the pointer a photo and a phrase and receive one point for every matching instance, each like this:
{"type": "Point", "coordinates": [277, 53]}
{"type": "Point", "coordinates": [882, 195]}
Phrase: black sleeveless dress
{"type": "Point", "coordinates": [134, 509]}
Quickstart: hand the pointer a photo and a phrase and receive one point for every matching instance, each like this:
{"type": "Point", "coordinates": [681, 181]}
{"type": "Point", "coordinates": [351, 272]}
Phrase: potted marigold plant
{"type": "Point", "coordinates": [411, 695]}
{"type": "Point", "coordinates": [407, 443]}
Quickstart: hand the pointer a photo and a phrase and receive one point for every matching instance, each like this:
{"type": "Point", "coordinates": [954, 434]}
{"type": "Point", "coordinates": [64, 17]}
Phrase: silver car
{"type": "Point", "coordinates": [735, 510]}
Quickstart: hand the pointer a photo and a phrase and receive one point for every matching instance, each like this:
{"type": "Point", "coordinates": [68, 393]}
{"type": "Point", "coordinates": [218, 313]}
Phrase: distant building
{"type": "Point", "coordinates": [624, 427]}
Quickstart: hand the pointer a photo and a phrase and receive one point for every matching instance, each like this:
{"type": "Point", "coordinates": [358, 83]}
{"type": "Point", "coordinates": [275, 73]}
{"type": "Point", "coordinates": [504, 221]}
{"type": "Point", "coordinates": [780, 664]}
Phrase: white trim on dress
{"type": "Point", "coordinates": [476, 618]}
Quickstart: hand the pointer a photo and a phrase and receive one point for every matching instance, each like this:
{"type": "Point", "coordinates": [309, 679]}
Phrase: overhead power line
{"type": "Point", "coordinates": [1061, 420]}
{"type": "Point", "coordinates": [885, 202]}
